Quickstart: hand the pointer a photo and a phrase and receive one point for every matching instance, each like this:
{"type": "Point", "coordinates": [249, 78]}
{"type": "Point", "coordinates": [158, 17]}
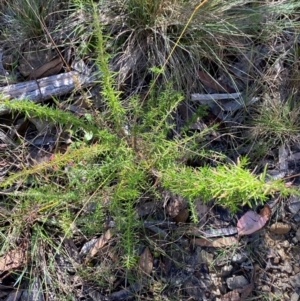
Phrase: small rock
{"type": "Point", "coordinates": [287, 268]}
{"type": "Point", "coordinates": [226, 270]}
{"type": "Point", "coordinates": [282, 254]}
{"type": "Point", "coordinates": [276, 260]}
{"type": "Point", "coordinates": [294, 205]}
{"type": "Point", "coordinates": [280, 228]}
{"type": "Point", "coordinates": [294, 297]}
{"type": "Point", "coordinates": [285, 244]}
{"type": "Point", "coordinates": [223, 288]}
{"type": "Point", "coordinates": [206, 257]}
{"type": "Point", "coordinates": [265, 288]}
{"type": "Point", "coordinates": [295, 281]}
{"type": "Point", "coordinates": [217, 292]}
{"type": "Point", "coordinates": [296, 269]}
{"type": "Point", "coordinates": [297, 218]}
{"type": "Point", "coordinates": [192, 288]}
{"type": "Point", "coordinates": [298, 234]}
{"type": "Point", "coordinates": [239, 257]}
{"type": "Point", "coordinates": [236, 282]}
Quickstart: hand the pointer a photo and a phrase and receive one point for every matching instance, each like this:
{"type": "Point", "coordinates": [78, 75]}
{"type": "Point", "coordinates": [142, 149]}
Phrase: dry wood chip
{"type": "Point", "coordinates": [101, 241]}
{"type": "Point", "coordinates": [216, 242]}
{"type": "Point", "coordinates": [220, 232]}
{"type": "Point", "coordinates": [146, 261]}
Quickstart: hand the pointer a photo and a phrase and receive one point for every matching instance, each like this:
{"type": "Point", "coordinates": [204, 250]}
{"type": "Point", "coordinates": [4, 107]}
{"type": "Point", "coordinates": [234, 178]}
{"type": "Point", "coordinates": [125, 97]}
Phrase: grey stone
{"type": "Point", "coordinates": [239, 257]}
{"type": "Point", "coordinates": [193, 288]}
{"type": "Point", "coordinates": [226, 270]}
{"type": "Point", "coordinates": [297, 218]}
{"type": "Point", "coordinates": [282, 254]}
{"type": "Point", "coordinates": [287, 268]}
{"type": "Point", "coordinates": [206, 257]}
{"type": "Point", "coordinates": [285, 244]}
{"type": "Point", "coordinates": [298, 234]}
{"type": "Point", "coordinates": [266, 288]}
{"type": "Point", "coordinates": [294, 205]}
{"type": "Point", "coordinates": [295, 281]}
{"type": "Point", "coordinates": [236, 282]}
{"type": "Point", "coordinates": [296, 269]}
{"type": "Point", "coordinates": [294, 297]}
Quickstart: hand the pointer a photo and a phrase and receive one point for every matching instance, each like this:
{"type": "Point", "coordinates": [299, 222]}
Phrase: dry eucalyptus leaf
{"type": "Point", "coordinates": [146, 261]}
{"type": "Point", "coordinates": [216, 242]}
{"type": "Point", "coordinates": [266, 211]}
{"type": "Point", "coordinates": [231, 296]}
{"type": "Point", "coordinates": [246, 290]}
{"type": "Point", "coordinates": [101, 241]}
{"type": "Point", "coordinates": [182, 216]}
{"type": "Point", "coordinates": [239, 294]}
{"type": "Point", "coordinates": [212, 83]}
{"type": "Point", "coordinates": [50, 68]}
{"type": "Point", "coordinates": [13, 259]}
{"type": "Point", "coordinates": [250, 222]}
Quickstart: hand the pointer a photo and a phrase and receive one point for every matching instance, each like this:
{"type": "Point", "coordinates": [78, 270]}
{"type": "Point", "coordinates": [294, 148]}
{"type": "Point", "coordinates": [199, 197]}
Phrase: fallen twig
{"type": "Point", "coordinates": [217, 96]}
{"type": "Point", "coordinates": [45, 88]}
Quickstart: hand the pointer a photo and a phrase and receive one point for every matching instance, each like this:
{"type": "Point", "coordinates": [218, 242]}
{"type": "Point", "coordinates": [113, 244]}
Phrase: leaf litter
{"type": "Point", "coordinates": [243, 68]}
{"type": "Point", "coordinates": [251, 222]}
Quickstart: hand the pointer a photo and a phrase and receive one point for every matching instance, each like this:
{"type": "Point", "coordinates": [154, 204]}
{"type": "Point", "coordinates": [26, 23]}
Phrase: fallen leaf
{"type": "Point", "coordinates": [266, 211]}
{"type": "Point", "coordinates": [250, 222]}
{"type": "Point", "coordinates": [146, 261]}
{"type": "Point", "coordinates": [51, 68]}
{"type": "Point", "coordinates": [246, 291]}
{"type": "Point", "coordinates": [182, 216]}
{"type": "Point", "coordinates": [212, 83]}
{"type": "Point", "coordinates": [13, 259]}
{"type": "Point", "coordinates": [239, 294]}
{"type": "Point", "coordinates": [202, 211]}
{"type": "Point", "coordinates": [231, 296]}
{"type": "Point", "coordinates": [216, 242]}
{"type": "Point", "coordinates": [100, 243]}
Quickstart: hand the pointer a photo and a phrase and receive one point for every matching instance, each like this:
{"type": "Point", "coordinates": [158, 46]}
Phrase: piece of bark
{"type": "Point", "coordinates": [216, 242]}
{"type": "Point", "coordinates": [45, 88]}
{"type": "Point", "coordinates": [215, 96]}
{"type": "Point", "coordinates": [212, 83]}
{"type": "Point", "coordinates": [51, 68]}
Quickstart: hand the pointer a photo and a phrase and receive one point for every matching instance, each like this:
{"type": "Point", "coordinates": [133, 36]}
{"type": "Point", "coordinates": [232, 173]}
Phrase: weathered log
{"type": "Point", "coordinates": [45, 88]}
